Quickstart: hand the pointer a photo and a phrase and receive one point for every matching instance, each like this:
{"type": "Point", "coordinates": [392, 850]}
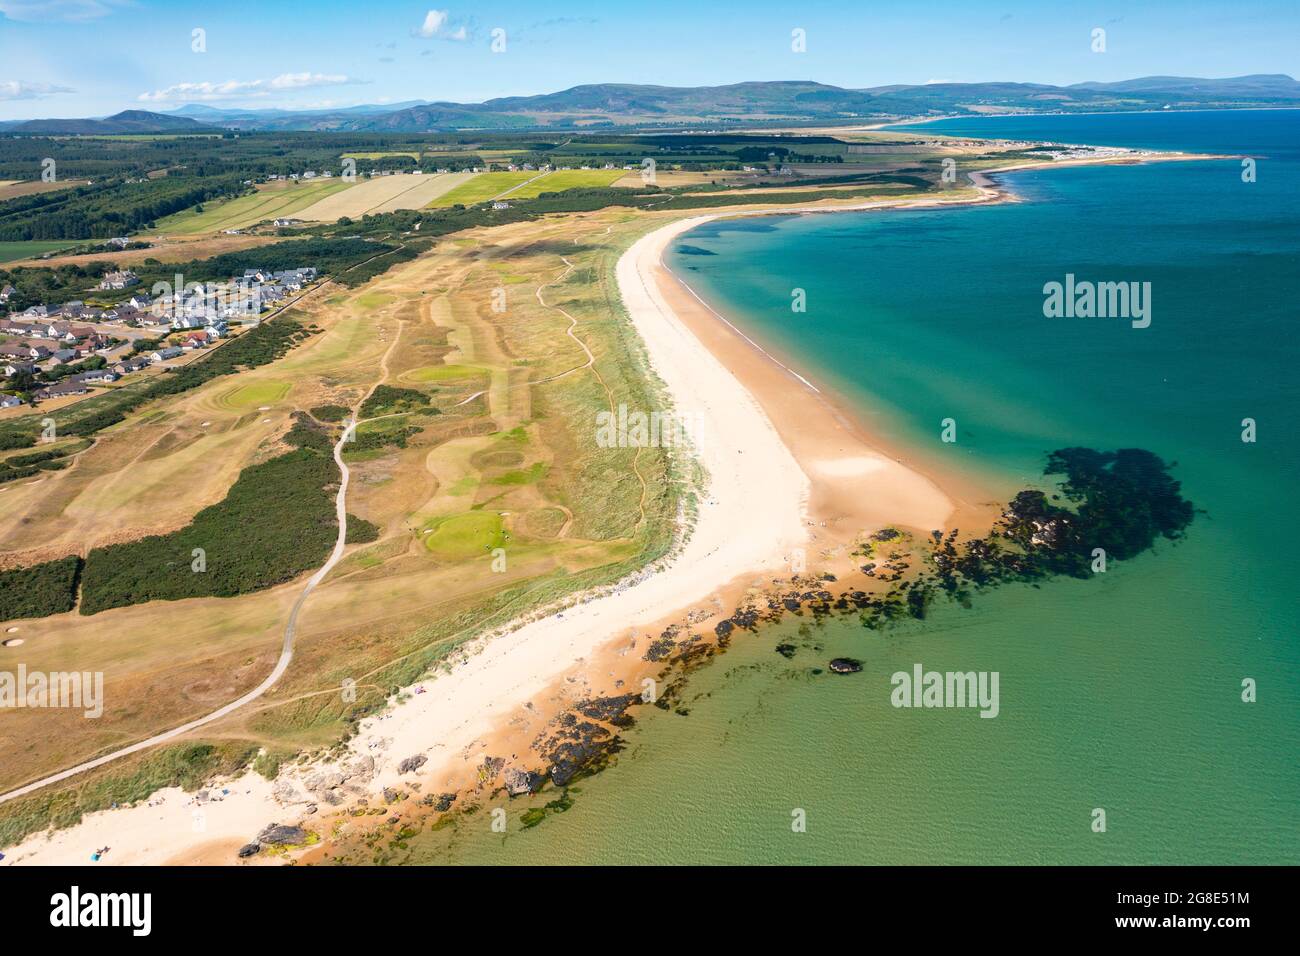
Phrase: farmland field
{"type": "Point", "coordinates": [563, 179]}
{"type": "Point", "coordinates": [10, 189]}
{"type": "Point", "coordinates": [482, 187]}
{"type": "Point", "coordinates": [383, 194]}
{"type": "Point", "coordinates": [13, 251]}
{"type": "Point", "coordinates": [380, 155]}
{"type": "Point", "coordinates": [271, 201]}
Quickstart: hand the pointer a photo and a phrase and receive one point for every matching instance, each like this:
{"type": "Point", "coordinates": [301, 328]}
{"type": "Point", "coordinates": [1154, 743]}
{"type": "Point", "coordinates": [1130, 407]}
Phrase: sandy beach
{"type": "Point", "coordinates": [792, 478]}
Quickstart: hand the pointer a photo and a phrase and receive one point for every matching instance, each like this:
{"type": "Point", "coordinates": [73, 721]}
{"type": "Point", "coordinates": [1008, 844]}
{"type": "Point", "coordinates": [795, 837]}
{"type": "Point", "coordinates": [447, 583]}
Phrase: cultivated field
{"type": "Point", "coordinates": [483, 187]}
{"type": "Point", "coordinates": [563, 179]}
{"type": "Point", "coordinates": [14, 251]}
{"type": "Point", "coordinates": [383, 194]}
{"type": "Point", "coordinates": [162, 248]}
{"type": "Point", "coordinates": [10, 189]}
{"type": "Point", "coordinates": [275, 200]}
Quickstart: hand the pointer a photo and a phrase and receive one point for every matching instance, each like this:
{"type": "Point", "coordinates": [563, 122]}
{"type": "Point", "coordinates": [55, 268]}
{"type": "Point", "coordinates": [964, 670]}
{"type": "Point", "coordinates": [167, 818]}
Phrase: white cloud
{"type": "Point", "coordinates": [437, 23]}
{"type": "Point", "coordinates": [22, 90]}
{"type": "Point", "coordinates": [231, 89]}
{"type": "Point", "coordinates": [43, 11]}
{"type": "Point", "coordinates": [434, 21]}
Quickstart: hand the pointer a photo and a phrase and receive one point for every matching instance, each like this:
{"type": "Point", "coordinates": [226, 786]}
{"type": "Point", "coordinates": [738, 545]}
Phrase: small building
{"type": "Point", "coordinates": [119, 280]}
{"type": "Point", "coordinates": [10, 401]}
{"type": "Point", "coordinates": [62, 390]}
{"type": "Point", "coordinates": [93, 376]}
{"type": "Point", "coordinates": [163, 355]}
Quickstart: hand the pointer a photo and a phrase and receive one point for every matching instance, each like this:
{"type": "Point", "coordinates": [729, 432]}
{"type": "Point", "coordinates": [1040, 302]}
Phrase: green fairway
{"type": "Point", "coordinates": [276, 201]}
{"type": "Point", "coordinates": [464, 536]}
{"type": "Point", "coordinates": [11, 251]}
{"type": "Point", "coordinates": [442, 373]}
{"type": "Point", "coordinates": [256, 394]}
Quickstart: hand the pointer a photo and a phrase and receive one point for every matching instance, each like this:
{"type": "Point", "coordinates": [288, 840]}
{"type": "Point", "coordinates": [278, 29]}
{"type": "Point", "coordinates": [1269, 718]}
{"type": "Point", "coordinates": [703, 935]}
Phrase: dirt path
{"type": "Point", "coordinates": [290, 629]}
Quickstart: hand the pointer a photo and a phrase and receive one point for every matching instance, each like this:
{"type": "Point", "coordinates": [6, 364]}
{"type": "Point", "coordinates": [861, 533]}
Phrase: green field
{"type": "Point", "coordinates": [271, 202]}
{"type": "Point", "coordinates": [380, 155]}
{"type": "Point", "coordinates": [11, 251]}
{"type": "Point", "coordinates": [481, 188]}
{"type": "Point", "coordinates": [526, 185]}
{"type": "Point", "coordinates": [563, 179]}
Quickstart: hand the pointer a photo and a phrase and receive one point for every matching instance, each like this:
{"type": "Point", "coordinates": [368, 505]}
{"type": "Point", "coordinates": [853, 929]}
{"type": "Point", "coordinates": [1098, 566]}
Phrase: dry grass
{"type": "Point", "coordinates": [522, 455]}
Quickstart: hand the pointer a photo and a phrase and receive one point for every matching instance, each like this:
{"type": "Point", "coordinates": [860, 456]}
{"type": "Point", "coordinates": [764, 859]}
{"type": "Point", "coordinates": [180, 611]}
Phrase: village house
{"type": "Point", "coordinates": [10, 401]}
{"type": "Point", "coordinates": [18, 368]}
{"type": "Point", "coordinates": [127, 366]}
{"type": "Point", "coordinates": [163, 355]}
{"type": "Point", "coordinates": [7, 293]}
{"type": "Point", "coordinates": [96, 375]}
{"type": "Point", "coordinates": [61, 390]}
{"type": "Point", "coordinates": [119, 280]}
{"type": "Point", "coordinates": [9, 327]}
{"type": "Point", "coordinates": [24, 351]}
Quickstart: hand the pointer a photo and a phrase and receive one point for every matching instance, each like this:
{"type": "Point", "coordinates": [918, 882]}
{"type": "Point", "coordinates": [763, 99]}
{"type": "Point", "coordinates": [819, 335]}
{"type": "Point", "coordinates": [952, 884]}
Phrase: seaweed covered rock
{"type": "Point", "coordinates": [277, 835]}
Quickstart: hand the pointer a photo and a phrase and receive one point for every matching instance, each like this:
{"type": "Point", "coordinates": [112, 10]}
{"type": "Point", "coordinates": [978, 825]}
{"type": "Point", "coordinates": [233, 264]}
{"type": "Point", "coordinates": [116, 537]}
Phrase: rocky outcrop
{"type": "Point", "coordinates": [412, 764]}
{"type": "Point", "coordinates": [278, 835]}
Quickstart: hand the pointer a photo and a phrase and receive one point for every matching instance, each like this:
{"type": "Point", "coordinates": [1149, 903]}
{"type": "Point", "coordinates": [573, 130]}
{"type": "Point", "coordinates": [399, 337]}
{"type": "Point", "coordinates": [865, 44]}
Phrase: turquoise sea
{"type": "Point", "coordinates": [1122, 692]}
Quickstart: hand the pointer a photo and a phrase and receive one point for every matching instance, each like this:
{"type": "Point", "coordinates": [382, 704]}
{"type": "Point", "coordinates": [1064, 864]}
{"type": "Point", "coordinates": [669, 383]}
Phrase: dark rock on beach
{"type": "Point", "coordinates": [411, 764]}
{"type": "Point", "coordinates": [249, 849]}
{"type": "Point", "coordinates": [277, 835]}
{"type": "Point", "coordinates": [845, 665]}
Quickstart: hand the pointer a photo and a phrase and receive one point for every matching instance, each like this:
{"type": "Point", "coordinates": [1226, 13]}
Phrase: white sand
{"type": "Point", "coordinates": [751, 472]}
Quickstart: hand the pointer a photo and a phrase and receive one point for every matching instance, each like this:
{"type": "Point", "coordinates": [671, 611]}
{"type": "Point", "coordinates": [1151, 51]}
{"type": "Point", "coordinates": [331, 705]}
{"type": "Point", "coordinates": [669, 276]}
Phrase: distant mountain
{"type": "Point", "coordinates": [777, 102]}
{"type": "Point", "coordinates": [201, 111]}
{"type": "Point", "coordinates": [128, 121]}
{"type": "Point", "coordinates": [1263, 85]}
{"type": "Point", "coordinates": [796, 101]}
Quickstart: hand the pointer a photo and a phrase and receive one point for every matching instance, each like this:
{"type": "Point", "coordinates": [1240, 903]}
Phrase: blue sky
{"type": "Point", "coordinates": [94, 57]}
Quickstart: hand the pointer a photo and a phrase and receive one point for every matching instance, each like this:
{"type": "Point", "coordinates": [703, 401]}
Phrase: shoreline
{"type": "Point", "coordinates": [815, 458]}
